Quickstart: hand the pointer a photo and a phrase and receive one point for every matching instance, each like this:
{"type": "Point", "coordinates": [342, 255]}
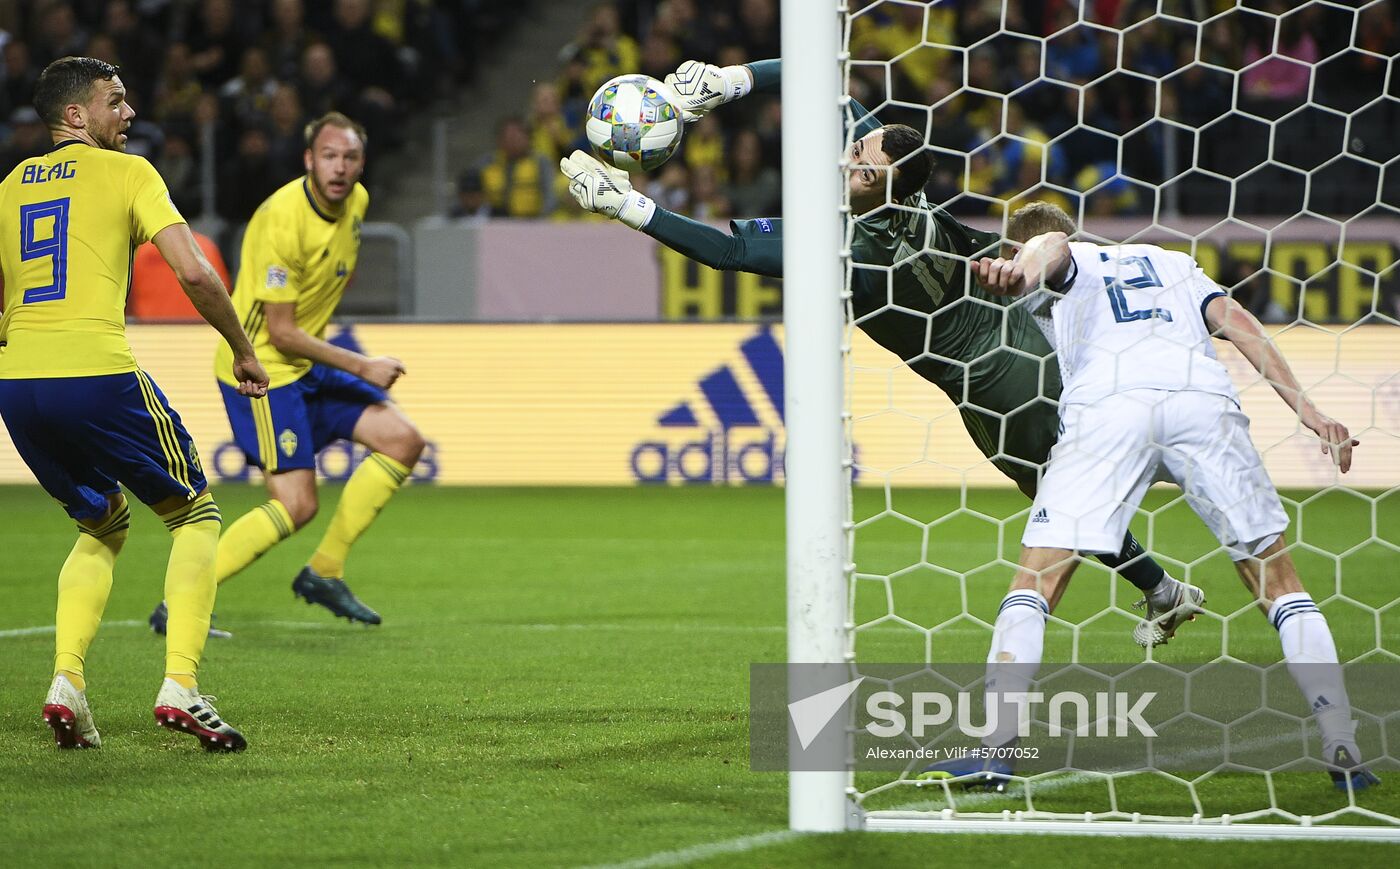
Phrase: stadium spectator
{"type": "Point", "coordinates": [704, 146]}
{"type": "Point", "coordinates": [602, 47]}
{"type": "Point", "coordinates": [551, 134]}
{"type": "Point", "coordinates": [216, 45]}
{"type": "Point", "coordinates": [249, 178]}
{"type": "Point", "coordinates": [692, 33]}
{"type": "Point", "coordinates": [471, 204]}
{"type": "Point", "coordinates": [1202, 94]}
{"type": "Point", "coordinates": [248, 98]}
{"type": "Point", "coordinates": [320, 87]}
{"type": "Point", "coordinates": [286, 136]}
{"type": "Point", "coordinates": [575, 90]}
{"type": "Point", "coordinates": [707, 199]}
{"type": "Point", "coordinates": [59, 33]}
{"type": "Point", "coordinates": [28, 138]}
{"type": "Point", "coordinates": [17, 89]}
{"type": "Point", "coordinates": [178, 91]}
{"type": "Point", "coordinates": [757, 28]}
{"type": "Point", "coordinates": [671, 187]}
{"type": "Point", "coordinates": [287, 39]}
{"type": "Point", "coordinates": [892, 33]}
{"type": "Point", "coordinates": [752, 187]}
{"type": "Point", "coordinates": [363, 56]}
{"type": "Point", "coordinates": [1281, 76]}
{"type": "Point", "coordinates": [136, 44]}
{"type": "Point", "coordinates": [177, 165]}
{"type": "Point", "coordinates": [104, 48]}
{"type": "Point", "coordinates": [517, 181]}
{"type": "Point", "coordinates": [1073, 54]}
{"type": "Point", "coordinates": [659, 55]}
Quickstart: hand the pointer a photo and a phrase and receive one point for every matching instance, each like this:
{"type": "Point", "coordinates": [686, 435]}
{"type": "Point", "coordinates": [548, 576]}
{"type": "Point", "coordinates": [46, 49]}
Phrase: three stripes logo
{"type": "Point", "coordinates": [1041, 516]}
{"type": "Point", "coordinates": [731, 432]}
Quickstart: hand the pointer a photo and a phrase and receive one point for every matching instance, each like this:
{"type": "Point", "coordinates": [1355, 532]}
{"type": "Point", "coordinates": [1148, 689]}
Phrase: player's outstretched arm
{"type": "Point", "coordinates": [607, 190]}
{"type": "Point", "coordinates": [206, 290]}
{"type": "Point", "coordinates": [702, 87]}
{"type": "Point", "coordinates": [292, 340]}
{"type": "Point", "coordinates": [1045, 258]}
{"type": "Point", "coordinates": [1231, 321]}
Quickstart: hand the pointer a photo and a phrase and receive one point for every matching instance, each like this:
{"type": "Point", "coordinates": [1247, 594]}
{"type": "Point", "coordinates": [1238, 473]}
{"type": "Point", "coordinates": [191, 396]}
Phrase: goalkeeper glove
{"type": "Point", "coordinates": [605, 190]}
{"type": "Point", "coordinates": [703, 86]}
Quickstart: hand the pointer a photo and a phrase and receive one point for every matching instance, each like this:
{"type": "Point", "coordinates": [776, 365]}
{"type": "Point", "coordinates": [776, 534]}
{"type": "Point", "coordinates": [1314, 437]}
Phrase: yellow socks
{"type": "Point", "coordinates": [253, 534]}
{"type": "Point", "coordinates": [190, 585]}
{"type": "Point", "coordinates": [376, 479]}
{"type": "Point", "coordinates": [83, 586]}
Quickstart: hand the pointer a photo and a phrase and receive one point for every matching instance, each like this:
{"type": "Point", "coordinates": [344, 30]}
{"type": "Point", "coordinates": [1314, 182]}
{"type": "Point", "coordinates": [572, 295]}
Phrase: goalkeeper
{"type": "Point", "coordinates": [909, 292]}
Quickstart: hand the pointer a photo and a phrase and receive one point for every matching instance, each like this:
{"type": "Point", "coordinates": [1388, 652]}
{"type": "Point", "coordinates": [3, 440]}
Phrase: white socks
{"type": "Point", "coordinates": [1311, 656]}
{"type": "Point", "coordinates": [1018, 641]}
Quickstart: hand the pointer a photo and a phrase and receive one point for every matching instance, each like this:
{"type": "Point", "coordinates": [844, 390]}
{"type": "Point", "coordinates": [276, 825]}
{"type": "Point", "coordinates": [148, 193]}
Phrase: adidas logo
{"type": "Point", "coordinates": [1040, 516]}
{"type": "Point", "coordinates": [734, 427]}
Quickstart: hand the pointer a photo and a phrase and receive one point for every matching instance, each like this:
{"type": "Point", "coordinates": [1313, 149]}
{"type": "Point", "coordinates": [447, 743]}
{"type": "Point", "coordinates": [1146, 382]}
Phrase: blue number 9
{"type": "Point", "coordinates": [55, 246]}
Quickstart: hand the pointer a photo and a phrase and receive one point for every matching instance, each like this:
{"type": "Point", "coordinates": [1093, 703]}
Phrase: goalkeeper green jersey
{"type": "Point", "coordinates": [912, 293]}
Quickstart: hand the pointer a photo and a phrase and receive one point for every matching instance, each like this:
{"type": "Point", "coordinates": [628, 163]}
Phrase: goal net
{"type": "Point", "coordinates": [1260, 137]}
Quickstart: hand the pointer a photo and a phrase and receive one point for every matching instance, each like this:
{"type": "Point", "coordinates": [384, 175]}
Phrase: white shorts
{"type": "Point", "coordinates": [1111, 451]}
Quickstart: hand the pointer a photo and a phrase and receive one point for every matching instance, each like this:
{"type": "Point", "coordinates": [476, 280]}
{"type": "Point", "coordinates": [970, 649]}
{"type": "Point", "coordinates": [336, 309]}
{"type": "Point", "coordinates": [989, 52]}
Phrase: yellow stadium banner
{"type": "Point", "coordinates": [701, 404]}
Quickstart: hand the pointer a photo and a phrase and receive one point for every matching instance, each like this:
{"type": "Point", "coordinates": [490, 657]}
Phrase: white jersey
{"type": "Point", "coordinates": [1133, 317]}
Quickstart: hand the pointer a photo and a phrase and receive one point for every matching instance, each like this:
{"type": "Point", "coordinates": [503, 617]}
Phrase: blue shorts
{"type": "Point", "coordinates": [81, 436]}
{"type": "Point", "coordinates": [285, 430]}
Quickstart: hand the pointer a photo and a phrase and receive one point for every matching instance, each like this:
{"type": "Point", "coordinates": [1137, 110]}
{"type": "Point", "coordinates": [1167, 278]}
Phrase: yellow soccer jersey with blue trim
{"type": "Point", "coordinates": [293, 252]}
{"type": "Point", "coordinates": [69, 223]}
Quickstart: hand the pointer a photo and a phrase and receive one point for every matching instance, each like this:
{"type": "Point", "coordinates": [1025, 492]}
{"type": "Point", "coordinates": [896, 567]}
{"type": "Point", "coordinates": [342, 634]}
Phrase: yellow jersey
{"type": "Point", "coordinates": [293, 252]}
{"type": "Point", "coordinates": [69, 223]}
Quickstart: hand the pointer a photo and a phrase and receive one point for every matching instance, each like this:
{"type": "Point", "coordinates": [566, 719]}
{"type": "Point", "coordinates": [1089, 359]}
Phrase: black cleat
{"type": "Point", "coordinates": [159, 616]}
{"type": "Point", "coordinates": [334, 595]}
{"type": "Point", "coordinates": [971, 773]}
{"type": "Point", "coordinates": [1348, 774]}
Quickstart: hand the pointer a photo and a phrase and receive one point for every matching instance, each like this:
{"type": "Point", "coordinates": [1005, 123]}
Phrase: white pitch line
{"type": "Point", "coordinates": [682, 856]}
{"type": "Point", "coordinates": [41, 630]}
{"type": "Point", "coordinates": [48, 629]}
{"type": "Point", "coordinates": [296, 626]}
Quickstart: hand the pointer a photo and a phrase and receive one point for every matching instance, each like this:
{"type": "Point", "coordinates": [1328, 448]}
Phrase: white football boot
{"type": "Point", "coordinates": [66, 711]}
{"type": "Point", "coordinates": [186, 711]}
{"type": "Point", "coordinates": [1161, 625]}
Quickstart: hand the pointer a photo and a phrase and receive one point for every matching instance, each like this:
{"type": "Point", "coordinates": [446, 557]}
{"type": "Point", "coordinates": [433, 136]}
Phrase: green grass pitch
{"type": "Point", "coordinates": [561, 679]}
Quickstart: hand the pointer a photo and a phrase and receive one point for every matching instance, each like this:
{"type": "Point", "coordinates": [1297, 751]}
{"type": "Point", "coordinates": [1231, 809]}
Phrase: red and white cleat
{"type": "Point", "coordinates": [66, 711]}
{"type": "Point", "coordinates": [186, 711]}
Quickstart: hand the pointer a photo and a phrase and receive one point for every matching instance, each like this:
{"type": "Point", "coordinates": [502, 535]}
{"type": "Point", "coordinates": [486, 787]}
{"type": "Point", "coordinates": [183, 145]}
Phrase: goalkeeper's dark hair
{"type": "Point", "coordinates": [66, 81]}
{"type": "Point", "coordinates": [334, 119]}
{"type": "Point", "coordinates": [905, 147]}
{"type": "Point", "coordinates": [1037, 218]}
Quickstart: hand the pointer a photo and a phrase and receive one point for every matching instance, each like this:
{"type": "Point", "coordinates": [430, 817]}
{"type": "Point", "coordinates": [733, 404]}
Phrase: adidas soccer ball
{"type": "Point", "coordinates": [633, 123]}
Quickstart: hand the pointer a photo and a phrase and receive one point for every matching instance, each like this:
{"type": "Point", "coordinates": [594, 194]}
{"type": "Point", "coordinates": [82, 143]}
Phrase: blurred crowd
{"type": "Point", "coordinates": [1114, 108]}
{"type": "Point", "coordinates": [252, 71]}
{"type": "Point", "coordinates": [727, 165]}
{"type": "Point", "coordinates": [1119, 111]}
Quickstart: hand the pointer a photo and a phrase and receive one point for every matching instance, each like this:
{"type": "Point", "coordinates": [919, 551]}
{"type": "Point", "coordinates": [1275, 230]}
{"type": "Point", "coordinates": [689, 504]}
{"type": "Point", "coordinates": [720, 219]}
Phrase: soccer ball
{"type": "Point", "coordinates": [633, 123]}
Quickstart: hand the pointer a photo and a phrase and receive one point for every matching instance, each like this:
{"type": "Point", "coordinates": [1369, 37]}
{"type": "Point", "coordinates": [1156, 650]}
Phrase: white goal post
{"type": "Point", "coordinates": [825, 625]}
{"type": "Point", "coordinates": [817, 466]}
